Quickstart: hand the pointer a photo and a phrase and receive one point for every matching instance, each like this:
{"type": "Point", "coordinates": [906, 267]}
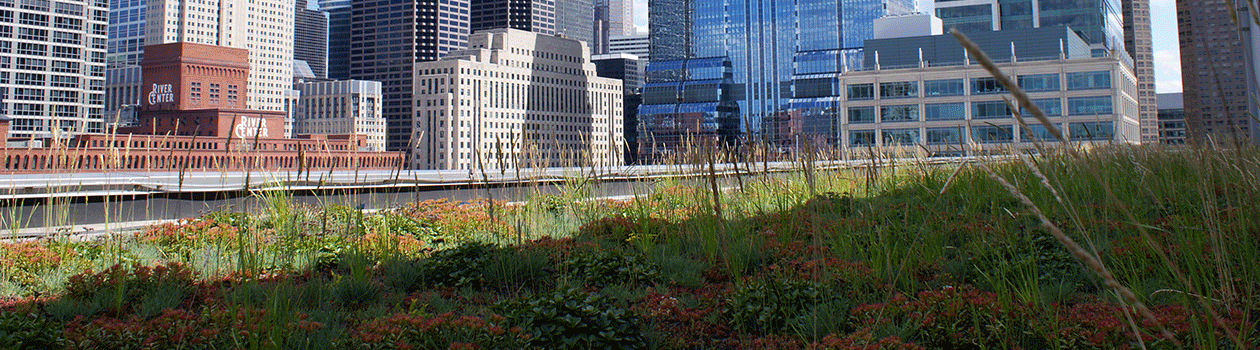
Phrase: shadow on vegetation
{"type": "Point", "coordinates": [916, 257]}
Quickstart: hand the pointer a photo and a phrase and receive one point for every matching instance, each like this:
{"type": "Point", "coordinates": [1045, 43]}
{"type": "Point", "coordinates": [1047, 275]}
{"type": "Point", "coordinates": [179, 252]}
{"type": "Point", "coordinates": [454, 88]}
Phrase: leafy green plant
{"type": "Point", "coordinates": [22, 332]}
{"type": "Point", "coordinates": [774, 305]}
{"type": "Point", "coordinates": [573, 319]}
{"type": "Point", "coordinates": [351, 291]}
{"type": "Point", "coordinates": [122, 288]}
{"type": "Point", "coordinates": [459, 267]}
{"type": "Point", "coordinates": [609, 267]}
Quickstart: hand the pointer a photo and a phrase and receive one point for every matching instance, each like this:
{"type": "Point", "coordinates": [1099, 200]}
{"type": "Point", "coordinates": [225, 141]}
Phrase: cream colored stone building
{"type": "Point", "coordinates": [516, 99]}
{"type": "Point", "coordinates": [956, 110]}
{"type": "Point", "coordinates": [341, 107]}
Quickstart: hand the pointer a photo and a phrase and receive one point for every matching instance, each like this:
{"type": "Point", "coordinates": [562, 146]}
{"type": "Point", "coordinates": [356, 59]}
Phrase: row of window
{"type": "Point", "coordinates": [979, 86]}
{"type": "Point", "coordinates": [1092, 105]}
{"type": "Point", "coordinates": [1088, 131]}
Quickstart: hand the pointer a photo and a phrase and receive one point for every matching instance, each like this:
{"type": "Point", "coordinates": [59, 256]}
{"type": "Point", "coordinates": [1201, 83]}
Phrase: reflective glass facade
{"type": "Point", "coordinates": [778, 50]}
{"type": "Point", "coordinates": [1099, 22]}
{"type": "Point", "coordinates": [685, 103]}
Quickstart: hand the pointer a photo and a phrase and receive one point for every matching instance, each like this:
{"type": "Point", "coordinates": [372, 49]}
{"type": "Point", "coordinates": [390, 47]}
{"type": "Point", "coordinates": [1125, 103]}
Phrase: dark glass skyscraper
{"type": "Point", "coordinates": [387, 38]}
{"type": "Point", "coordinates": [669, 26]}
{"type": "Point", "coordinates": [575, 19]}
{"type": "Point", "coordinates": [310, 38]}
{"type": "Point", "coordinates": [1098, 21]}
{"type": "Point", "coordinates": [538, 16]}
{"type": "Point", "coordinates": [338, 38]}
{"type": "Point", "coordinates": [769, 44]}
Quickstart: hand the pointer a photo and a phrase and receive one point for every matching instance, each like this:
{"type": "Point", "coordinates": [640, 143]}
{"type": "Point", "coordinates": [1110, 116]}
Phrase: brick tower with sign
{"type": "Point", "coordinates": [197, 89]}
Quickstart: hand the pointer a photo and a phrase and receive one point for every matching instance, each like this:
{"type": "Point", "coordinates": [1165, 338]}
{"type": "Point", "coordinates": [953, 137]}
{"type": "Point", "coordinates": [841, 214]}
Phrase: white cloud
{"type": "Point", "coordinates": [1167, 71]}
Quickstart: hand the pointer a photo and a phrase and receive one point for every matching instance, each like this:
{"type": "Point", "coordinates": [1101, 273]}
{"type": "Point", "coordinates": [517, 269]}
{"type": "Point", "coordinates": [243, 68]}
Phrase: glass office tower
{"type": "Point", "coordinates": [1098, 21]}
{"type": "Point", "coordinates": [769, 44]}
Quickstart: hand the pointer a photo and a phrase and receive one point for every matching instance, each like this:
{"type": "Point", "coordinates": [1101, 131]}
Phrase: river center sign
{"type": "Point", "coordinates": [163, 93]}
{"type": "Point", "coordinates": [250, 127]}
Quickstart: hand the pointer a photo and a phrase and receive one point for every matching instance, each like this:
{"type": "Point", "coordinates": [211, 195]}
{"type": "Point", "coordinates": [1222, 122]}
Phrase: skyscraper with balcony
{"type": "Point", "coordinates": [388, 39]}
{"type": "Point", "coordinates": [52, 66]}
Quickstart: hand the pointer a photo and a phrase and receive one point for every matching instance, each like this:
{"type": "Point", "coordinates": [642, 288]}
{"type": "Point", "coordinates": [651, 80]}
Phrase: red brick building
{"type": "Point", "coordinates": [194, 117]}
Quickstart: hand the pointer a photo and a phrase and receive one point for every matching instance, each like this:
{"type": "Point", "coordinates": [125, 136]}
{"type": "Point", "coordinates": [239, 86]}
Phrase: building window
{"type": "Point", "coordinates": [990, 110]}
{"type": "Point", "coordinates": [231, 94]}
{"type": "Point", "coordinates": [1095, 105]}
{"type": "Point", "coordinates": [1052, 107]}
{"type": "Point", "coordinates": [1038, 133]}
{"type": "Point", "coordinates": [991, 134]}
{"type": "Point", "coordinates": [57, 80]}
{"type": "Point", "coordinates": [1089, 80]}
{"type": "Point", "coordinates": [861, 115]}
{"type": "Point", "coordinates": [859, 92]}
{"type": "Point", "coordinates": [862, 138]}
{"type": "Point", "coordinates": [899, 113]}
{"type": "Point", "coordinates": [947, 87]}
{"type": "Point", "coordinates": [1095, 131]}
{"type": "Point", "coordinates": [28, 109]}
{"type": "Point", "coordinates": [944, 136]}
{"type": "Point", "coordinates": [1039, 82]}
{"type": "Point", "coordinates": [32, 49]}
{"type": "Point", "coordinates": [214, 93]}
{"type": "Point", "coordinates": [901, 137]}
{"type": "Point", "coordinates": [194, 92]}
{"type": "Point", "coordinates": [30, 79]}
{"type": "Point", "coordinates": [904, 89]}
{"type": "Point", "coordinates": [986, 86]}
{"type": "Point", "coordinates": [944, 111]}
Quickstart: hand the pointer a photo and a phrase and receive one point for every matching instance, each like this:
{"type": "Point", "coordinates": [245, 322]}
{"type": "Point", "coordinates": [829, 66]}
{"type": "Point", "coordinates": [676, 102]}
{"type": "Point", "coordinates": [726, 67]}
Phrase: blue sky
{"type": "Point", "coordinates": [1163, 31]}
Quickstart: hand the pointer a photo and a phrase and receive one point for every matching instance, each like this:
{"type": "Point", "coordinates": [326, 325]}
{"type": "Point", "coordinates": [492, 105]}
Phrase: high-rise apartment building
{"type": "Point", "coordinates": [265, 28]}
{"type": "Point", "coordinates": [52, 66]}
{"type": "Point", "coordinates": [126, 33]}
{"type": "Point", "coordinates": [516, 99]}
{"type": "Point", "coordinates": [574, 20]}
{"type": "Point", "coordinates": [1218, 67]}
{"type": "Point", "coordinates": [310, 38]}
{"type": "Point", "coordinates": [338, 37]}
{"type": "Point", "coordinates": [538, 16]}
{"type": "Point", "coordinates": [388, 50]}
{"type": "Point", "coordinates": [1137, 40]}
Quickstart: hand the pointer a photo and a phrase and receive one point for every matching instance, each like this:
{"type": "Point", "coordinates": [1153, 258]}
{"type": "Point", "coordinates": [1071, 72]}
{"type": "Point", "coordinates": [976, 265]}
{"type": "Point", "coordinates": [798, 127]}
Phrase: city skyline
{"type": "Point", "coordinates": [1163, 27]}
